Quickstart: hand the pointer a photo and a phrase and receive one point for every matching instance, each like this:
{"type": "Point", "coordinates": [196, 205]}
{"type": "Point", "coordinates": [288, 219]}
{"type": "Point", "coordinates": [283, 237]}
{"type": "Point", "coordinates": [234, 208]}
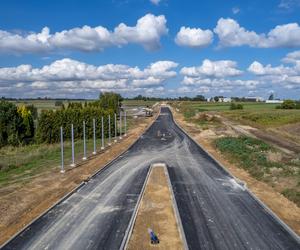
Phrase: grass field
{"type": "Point", "coordinates": [50, 104]}
{"type": "Point", "coordinates": [135, 103]}
{"type": "Point", "coordinates": [255, 114]}
{"type": "Point", "coordinates": [255, 156]}
{"type": "Point", "coordinates": [17, 164]}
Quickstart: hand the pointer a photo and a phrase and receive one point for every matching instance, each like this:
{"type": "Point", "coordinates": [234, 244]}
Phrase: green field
{"type": "Point", "coordinates": [136, 103]}
{"type": "Point", "coordinates": [50, 104]}
{"type": "Point", "coordinates": [44, 104]}
{"type": "Point", "coordinates": [255, 114]}
{"type": "Point", "coordinates": [253, 155]}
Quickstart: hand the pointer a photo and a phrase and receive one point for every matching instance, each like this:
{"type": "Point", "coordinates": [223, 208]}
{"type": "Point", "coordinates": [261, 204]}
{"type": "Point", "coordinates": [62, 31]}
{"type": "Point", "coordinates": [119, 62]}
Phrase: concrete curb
{"type": "Point", "coordinates": [220, 165]}
{"type": "Point", "coordinates": [176, 211]}
{"type": "Point", "coordinates": [80, 185]}
{"type": "Point", "coordinates": [129, 229]}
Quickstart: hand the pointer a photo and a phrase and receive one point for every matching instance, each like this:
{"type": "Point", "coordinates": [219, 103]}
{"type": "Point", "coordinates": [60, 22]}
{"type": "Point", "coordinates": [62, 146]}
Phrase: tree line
{"type": "Point", "coordinates": [17, 126]}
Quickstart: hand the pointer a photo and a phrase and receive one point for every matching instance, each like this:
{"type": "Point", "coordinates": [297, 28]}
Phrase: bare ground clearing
{"type": "Point", "coordinates": [288, 211]}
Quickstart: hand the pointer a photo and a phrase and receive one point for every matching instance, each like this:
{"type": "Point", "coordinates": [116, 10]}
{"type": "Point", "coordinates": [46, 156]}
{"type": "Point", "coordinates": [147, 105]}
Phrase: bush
{"type": "Point", "coordinates": [235, 106]}
{"type": "Point", "coordinates": [288, 104]}
{"type": "Point", "coordinates": [58, 103]}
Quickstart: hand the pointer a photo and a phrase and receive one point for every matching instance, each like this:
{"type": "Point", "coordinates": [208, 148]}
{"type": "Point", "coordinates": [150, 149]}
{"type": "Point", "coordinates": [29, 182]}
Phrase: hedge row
{"type": "Point", "coordinates": [49, 123]}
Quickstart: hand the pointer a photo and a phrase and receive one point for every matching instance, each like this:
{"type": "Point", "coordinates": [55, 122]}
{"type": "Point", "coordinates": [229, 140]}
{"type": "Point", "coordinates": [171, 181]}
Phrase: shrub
{"type": "Point", "coordinates": [288, 104]}
{"type": "Point", "coordinates": [58, 103]}
{"type": "Point", "coordinates": [235, 106]}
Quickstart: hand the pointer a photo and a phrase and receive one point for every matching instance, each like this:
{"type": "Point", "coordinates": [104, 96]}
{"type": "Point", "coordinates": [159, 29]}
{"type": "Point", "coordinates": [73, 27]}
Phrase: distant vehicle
{"type": "Point", "coordinates": [144, 112]}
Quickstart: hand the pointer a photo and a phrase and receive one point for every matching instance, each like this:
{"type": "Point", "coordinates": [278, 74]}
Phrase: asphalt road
{"type": "Point", "coordinates": [216, 211]}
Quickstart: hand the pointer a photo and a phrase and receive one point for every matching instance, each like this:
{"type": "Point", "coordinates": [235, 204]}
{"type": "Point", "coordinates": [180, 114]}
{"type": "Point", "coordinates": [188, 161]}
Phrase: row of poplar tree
{"type": "Point", "coordinates": [21, 125]}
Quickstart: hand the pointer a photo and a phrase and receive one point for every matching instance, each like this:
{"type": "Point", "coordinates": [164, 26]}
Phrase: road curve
{"type": "Point", "coordinates": [216, 212]}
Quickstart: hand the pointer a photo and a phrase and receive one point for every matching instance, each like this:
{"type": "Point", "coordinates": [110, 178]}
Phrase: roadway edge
{"type": "Point", "coordinates": [75, 189]}
{"type": "Point", "coordinates": [220, 165]}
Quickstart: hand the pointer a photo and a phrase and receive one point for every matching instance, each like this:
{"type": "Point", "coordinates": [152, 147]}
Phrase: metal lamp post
{"type": "Point", "coordinates": [115, 128]}
{"type": "Point", "coordinates": [62, 170]}
{"type": "Point", "coordinates": [94, 135]}
{"type": "Point", "coordinates": [73, 151]}
{"type": "Point", "coordinates": [102, 134]}
{"type": "Point", "coordinates": [84, 142]}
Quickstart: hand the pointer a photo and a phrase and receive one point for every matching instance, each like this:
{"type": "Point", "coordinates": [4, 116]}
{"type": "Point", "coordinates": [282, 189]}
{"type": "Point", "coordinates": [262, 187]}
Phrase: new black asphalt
{"type": "Point", "coordinates": [216, 211]}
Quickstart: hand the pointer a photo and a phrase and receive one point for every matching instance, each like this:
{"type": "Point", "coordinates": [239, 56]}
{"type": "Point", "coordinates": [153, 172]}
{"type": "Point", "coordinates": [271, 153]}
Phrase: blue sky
{"type": "Point", "coordinates": [230, 48]}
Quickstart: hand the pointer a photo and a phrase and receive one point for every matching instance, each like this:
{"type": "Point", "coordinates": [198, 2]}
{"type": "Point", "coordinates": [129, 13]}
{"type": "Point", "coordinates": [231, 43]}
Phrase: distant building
{"type": "Point", "coordinates": [253, 99]}
{"type": "Point", "coordinates": [274, 101]}
{"type": "Point", "coordinates": [227, 99]}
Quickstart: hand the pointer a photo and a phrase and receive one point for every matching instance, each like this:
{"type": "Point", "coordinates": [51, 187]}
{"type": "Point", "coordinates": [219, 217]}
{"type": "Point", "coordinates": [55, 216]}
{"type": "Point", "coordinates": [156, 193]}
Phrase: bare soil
{"type": "Point", "coordinates": [20, 204]}
{"type": "Point", "coordinates": [285, 209]}
{"type": "Point", "coordinates": [156, 212]}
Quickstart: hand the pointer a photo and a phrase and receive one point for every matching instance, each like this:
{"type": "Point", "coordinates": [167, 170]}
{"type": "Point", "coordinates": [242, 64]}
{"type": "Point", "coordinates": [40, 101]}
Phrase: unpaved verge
{"type": "Point", "coordinates": [273, 136]}
{"type": "Point", "coordinates": [156, 212]}
{"type": "Point", "coordinates": [281, 206]}
{"type": "Point", "coordinates": [19, 205]}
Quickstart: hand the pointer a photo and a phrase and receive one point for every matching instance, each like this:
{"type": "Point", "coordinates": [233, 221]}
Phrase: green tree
{"type": "Point", "coordinates": [10, 123]}
{"type": "Point", "coordinates": [200, 98]}
{"type": "Point", "coordinates": [110, 101]}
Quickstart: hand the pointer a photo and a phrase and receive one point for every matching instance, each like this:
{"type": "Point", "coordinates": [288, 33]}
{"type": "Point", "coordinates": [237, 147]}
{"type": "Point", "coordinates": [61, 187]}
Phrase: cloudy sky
{"type": "Point", "coordinates": [75, 49]}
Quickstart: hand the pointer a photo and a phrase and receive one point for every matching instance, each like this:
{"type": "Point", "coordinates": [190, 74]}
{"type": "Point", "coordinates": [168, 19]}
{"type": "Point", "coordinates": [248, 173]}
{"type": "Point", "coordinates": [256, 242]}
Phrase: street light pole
{"type": "Point", "coordinates": [62, 170]}
{"type": "Point", "coordinates": [115, 128]}
{"type": "Point", "coordinates": [102, 133]}
{"type": "Point", "coordinates": [120, 125]}
{"type": "Point", "coordinates": [94, 135]}
{"type": "Point", "coordinates": [109, 139]}
{"type": "Point", "coordinates": [73, 153]}
{"type": "Point", "coordinates": [84, 142]}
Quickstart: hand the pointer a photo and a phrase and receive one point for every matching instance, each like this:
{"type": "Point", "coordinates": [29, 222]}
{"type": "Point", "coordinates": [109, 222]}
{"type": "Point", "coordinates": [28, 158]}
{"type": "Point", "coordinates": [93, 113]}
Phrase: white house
{"type": "Point", "coordinates": [274, 101]}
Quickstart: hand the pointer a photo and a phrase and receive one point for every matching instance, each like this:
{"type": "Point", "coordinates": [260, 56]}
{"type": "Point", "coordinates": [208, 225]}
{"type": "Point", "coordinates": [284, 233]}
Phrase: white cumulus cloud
{"type": "Point", "coordinates": [231, 34]}
{"type": "Point", "coordinates": [71, 77]}
{"type": "Point", "coordinates": [217, 69]}
{"type": "Point", "coordinates": [286, 76]}
{"type": "Point", "coordinates": [147, 33]}
{"type": "Point", "coordinates": [156, 2]}
{"type": "Point", "coordinates": [194, 37]}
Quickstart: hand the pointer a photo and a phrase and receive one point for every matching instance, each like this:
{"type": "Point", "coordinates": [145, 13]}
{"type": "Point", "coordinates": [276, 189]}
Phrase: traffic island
{"type": "Point", "coordinates": [157, 215]}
